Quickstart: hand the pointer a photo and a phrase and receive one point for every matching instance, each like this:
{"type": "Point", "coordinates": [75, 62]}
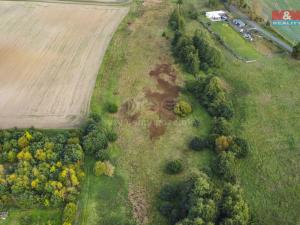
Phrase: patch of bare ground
{"type": "Point", "coordinates": [50, 55]}
{"type": "Point", "coordinates": [163, 100]}
{"type": "Point", "coordinates": [137, 198]}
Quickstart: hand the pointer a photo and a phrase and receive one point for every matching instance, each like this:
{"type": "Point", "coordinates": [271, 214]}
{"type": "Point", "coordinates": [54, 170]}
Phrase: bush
{"type": "Point", "coordinates": [240, 147]}
{"type": "Point", "coordinates": [95, 141]}
{"type": "Point", "coordinates": [176, 21]}
{"type": "Point", "coordinates": [69, 213]}
{"type": "Point", "coordinates": [223, 143]}
{"type": "Point", "coordinates": [198, 144]}
{"type": "Point", "coordinates": [169, 192]}
{"type": "Point", "coordinates": [111, 136]}
{"type": "Point", "coordinates": [104, 168]}
{"type": "Point", "coordinates": [225, 166]}
{"type": "Point", "coordinates": [221, 126]}
{"type": "Point", "coordinates": [111, 107]}
{"type": "Point", "coordinates": [183, 108]}
{"type": "Point", "coordinates": [103, 155]}
{"type": "Point", "coordinates": [174, 167]}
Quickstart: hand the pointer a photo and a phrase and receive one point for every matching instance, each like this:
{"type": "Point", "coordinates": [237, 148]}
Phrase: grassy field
{"type": "Point", "coordinates": [125, 76]}
{"type": "Point", "coordinates": [38, 216]}
{"type": "Point", "coordinates": [265, 95]}
{"type": "Point", "coordinates": [235, 41]}
{"type": "Point", "coordinates": [291, 33]}
{"type": "Point", "coordinates": [267, 105]}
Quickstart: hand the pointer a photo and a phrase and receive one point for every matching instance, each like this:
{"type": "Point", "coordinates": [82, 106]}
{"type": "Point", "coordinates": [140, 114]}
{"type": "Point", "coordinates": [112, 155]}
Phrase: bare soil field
{"type": "Point", "coordinates": [49, 59]}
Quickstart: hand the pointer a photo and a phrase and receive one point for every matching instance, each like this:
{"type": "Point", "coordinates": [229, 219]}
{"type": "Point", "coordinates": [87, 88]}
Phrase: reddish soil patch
{"type": "Point", "coordinates": [156, 130]}
{"type": "Point", "coordinates": [163, 101]}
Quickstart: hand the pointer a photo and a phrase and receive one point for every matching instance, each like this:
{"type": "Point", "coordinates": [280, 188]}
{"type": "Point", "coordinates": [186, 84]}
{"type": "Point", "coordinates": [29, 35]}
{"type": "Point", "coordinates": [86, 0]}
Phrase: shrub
{"type": "Point", "coordinates": [69, 213]}
{"type": "Point", "coordinates": [196, 123]}
{"type": "Point", "coordinates": [94, 141]}
{"type": "Point", "coordinates": [103, 155]}
{"type": "Point", "coordinates": [223, 143]}
{"type": "Point", "coordinates": [225, 166]}
{"type": "Point", "coordinates": [240, 147]}
{"type": "Point", "coordinates": [104, 168]}
{"type": "Point", "coordinates": [169, 192]}
{"type": "Point", "coordinates": [166, 208]}
{"type": "Point", "coordinates": [111, 107]}
{"type": "Point", "coordinates": [176, 21]}
{"type": "Point", "coordinates": [111, 136]}
{"type": "Point", "coordinates": [221, 126]}
{"type": "Point", "coordinates": [95, 117]}
{"type": "Point", "coordinates": [174, 167]}
{"type": "Point", "coordinates": [182, 108]}
{"type": "Point", "coordinates": [198, 144]}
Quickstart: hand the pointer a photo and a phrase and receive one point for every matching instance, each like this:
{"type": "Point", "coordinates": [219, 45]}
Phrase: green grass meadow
{"type": "Point", "coordinates": [38, 216]}
{"type": "Point", "coordinates": [265, 99]}
{"type": "Point", "coordinates": [235, 41]}
{"type": "Point", "coordinates": [134, 51]}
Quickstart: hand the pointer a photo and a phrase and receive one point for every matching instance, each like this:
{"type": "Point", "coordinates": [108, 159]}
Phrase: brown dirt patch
{"type": "Point", "coordinates": [164, 100]}
{"type": "Point", "coordinates": [156, 130]}
{"type": "Point", "coordinates": [137, 198]}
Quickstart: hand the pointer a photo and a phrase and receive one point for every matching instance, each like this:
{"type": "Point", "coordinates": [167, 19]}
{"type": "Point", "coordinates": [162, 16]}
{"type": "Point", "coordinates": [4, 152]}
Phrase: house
{"type": "Point", "coordinates": [216, 15]}
{"type": "Point", "coordinates": [239, 23]}
{"type": "Point", "coordinates": [3, 215]}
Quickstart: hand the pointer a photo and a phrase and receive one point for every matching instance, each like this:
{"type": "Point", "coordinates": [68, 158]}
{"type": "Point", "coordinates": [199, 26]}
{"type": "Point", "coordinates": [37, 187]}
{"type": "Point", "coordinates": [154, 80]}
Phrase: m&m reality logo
{"type": "Point", "coordinates": [286, 18]}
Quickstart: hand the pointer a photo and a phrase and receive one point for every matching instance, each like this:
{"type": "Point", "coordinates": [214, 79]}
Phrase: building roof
{"type": "Point", "coordinates": [215, 14]}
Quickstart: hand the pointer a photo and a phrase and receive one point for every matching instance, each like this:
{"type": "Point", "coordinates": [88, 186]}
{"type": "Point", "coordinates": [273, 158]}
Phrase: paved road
{"type": "Point", "coordinates": [263, 31]}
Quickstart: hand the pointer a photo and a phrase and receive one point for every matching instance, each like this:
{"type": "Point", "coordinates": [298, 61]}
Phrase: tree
{"type": "Point", "coordinates": [182, 108]}
{"type": "Point", "coordinates": [296, 51]}
{"type": "Point", "coordinates": [221, 126]}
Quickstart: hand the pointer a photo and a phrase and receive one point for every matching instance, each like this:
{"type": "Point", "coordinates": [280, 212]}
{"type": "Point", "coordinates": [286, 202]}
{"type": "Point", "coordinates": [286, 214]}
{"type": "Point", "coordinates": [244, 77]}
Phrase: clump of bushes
{"type": "Point", "coordinates": [174, 167]}
{"type": "Point", "coordinates": [200, 201]}
{"type": "Point", "coordinates": [104, 168]}
{"type": "Point", "coordinates": [111, 107]}
{"type": "Point", "coordinates": [225, 166]}
{"type": "Point", "coordinates": [111, 136]}
{"type": "Point", "coordinates": [182, 108]}
{"type": "Point", "coordinates": [198, 144]}
{"type": "Point", "coordinates": [211, 95]}
{"type": "Point", "coordinates": [69, 213]}
{"type": "Point", "coordinates": [176, 20]}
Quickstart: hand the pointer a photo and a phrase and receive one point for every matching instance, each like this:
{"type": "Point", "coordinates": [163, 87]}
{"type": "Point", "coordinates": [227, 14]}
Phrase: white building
{"type": "Point", "coordinates": [216, 15]}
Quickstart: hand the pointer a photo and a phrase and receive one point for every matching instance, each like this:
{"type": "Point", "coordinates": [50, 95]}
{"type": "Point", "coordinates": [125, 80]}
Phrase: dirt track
{"type": "Point", "coordinates": [49, 58]}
